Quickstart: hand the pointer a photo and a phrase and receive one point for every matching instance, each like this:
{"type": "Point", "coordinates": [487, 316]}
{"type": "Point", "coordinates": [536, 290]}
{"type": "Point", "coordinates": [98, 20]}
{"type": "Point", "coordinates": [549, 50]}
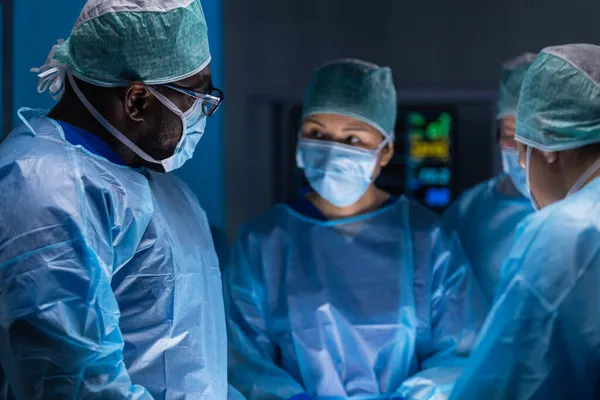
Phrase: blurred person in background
{"type": "Point", "coordinates": [486, 217]}
{"type": "Point", "coordinates": [542, 338]}
{"type": "Point", "coordinates": [109, 282]}
{"type": "Point", "coordinates": [348, 292]}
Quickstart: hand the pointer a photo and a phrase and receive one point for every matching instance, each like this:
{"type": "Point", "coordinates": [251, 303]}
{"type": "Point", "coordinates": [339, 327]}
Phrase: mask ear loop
{"type": "Point", "coordinates": [163, 99]}
{"type": "Point", "coordinates": [388, 138]}
{"type": "Point", "coordinates": [107, 125]}
{"type": "Point", "coordinates": [580, 182]}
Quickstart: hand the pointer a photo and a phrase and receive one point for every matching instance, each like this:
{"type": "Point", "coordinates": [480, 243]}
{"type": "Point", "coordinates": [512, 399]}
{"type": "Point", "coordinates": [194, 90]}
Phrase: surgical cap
{"type": "Point", "coordinates": [115, 42]}
{"type": "Point", "coordinates": [513, 74]}
{"type": "Point", "coordinates": [560, 99]}
{"type": "Point", "coordinates": [354, 88]}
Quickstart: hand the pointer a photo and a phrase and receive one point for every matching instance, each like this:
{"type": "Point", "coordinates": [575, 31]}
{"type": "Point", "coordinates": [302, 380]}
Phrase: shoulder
{"type": "Point", "coordinates": [177, 191]}
{"type": "Point", "coordinates": [49, 182]}
{"type": "Point", "coordinates": [469, 201]}
{"type": "Point", "coordinates": [555, 247]}
{"type": "Point", "coordinates": [38, 171]}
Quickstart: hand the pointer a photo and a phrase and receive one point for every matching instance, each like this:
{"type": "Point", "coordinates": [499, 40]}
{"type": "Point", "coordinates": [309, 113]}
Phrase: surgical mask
{"type": "Point", "coordinates": [534, 203]}
{"type": "Point", "coordinates": [339, 173]}
{"type": "Point", "coordinates": [511, 167]}
{"type": "Point", "coordinates": [193, 122]}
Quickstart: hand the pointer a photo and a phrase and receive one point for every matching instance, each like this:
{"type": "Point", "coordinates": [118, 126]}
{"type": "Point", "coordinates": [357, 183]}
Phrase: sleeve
{"type": "Point", "coordinates": [541, 338]}
{"type": "Point", "coordinates": [252, 365]}
{"type": "Point", "coordinates": [59, 319]}
{"type": "Point", "coordinates": [457, 309]}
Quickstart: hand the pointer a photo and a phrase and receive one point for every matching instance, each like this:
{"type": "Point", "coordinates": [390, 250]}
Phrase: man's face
{"type": "Point", "coordinates": [155, 128]}
{"type": "Point", "coordinates": [507, 126]}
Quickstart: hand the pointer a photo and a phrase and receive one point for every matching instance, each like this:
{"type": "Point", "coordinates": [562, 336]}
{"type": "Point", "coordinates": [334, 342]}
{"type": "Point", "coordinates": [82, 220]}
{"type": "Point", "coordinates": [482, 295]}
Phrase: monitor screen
{"type": "Point", "coordinates": [423, 163]}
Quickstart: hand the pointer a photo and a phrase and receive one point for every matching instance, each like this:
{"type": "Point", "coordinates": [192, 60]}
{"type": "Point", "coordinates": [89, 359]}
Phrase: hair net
{"type": "Point", "coordinates": [513, 74]}
{"type": "Point", "coordinates": [354, 88]}
{"type": "Point", "coordinates": [560, 99]}
{"type": "Point", "coordinates": [115, 42]}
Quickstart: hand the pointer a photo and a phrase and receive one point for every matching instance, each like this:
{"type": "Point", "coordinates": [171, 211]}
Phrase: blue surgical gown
{"type": "Point", "coordinates": [541, 340]}
{"type": "Point", "coordinates": [109, 283]}
{"type": "Point", "coordinates": [375, 306]}
{"type": "Point", "coordinates": [486, 219]}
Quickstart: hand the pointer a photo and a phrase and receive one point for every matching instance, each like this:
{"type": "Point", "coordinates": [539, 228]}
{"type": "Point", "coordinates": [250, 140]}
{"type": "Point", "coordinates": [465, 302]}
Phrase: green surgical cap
{"type": "Point", "coordinates": [513, 74]}
{"type": "Point", "coordinates": [115, 42]}
{"type": "Point", "coordinates": [354, 88]}
{"type": "Point", "coordinates": [559, 107]}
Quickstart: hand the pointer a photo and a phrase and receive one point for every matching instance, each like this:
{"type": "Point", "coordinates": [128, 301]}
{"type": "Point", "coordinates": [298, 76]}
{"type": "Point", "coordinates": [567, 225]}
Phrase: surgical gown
{"type": "Point", "coordinates": [377, 306]}
{"type": "Point", "coordinates": [109, 283]}
{"type": "Point", "coordinates": [542, 338]}
{"type": "Point", "coordinates": [486, 219]}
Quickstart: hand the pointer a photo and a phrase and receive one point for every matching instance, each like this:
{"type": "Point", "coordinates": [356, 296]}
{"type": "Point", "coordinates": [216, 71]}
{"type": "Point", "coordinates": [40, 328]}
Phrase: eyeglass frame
{"type": "Point", "coordinates": [216, 101]}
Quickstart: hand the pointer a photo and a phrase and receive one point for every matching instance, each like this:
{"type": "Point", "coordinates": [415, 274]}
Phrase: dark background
{"type": "Point", "coordinates": [263, 53]}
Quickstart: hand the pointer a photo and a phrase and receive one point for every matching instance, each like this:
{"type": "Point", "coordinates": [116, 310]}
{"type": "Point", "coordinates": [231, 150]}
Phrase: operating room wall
{"type": "Point", "coordinates": [271, 47]}
{"type": "Point", "coordinates": [38, 24]}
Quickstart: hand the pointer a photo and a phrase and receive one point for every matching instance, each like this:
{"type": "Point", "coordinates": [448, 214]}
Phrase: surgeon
{"type": "Point", "coordinates": [348, 292]}
{"type": "Point", "coordinates": [486, 217]}
{"type": "Point", "coordinates": [109, 282]}
{"type": "Point", "coordinates": [542, 338]}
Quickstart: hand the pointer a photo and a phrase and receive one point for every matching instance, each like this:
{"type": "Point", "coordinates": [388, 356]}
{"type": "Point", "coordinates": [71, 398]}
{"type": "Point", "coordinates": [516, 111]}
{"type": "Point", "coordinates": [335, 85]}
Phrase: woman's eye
{"type": "Point", "coordinates": [317, 134]}
{"type": "Point", "coordinates": [352, 140]}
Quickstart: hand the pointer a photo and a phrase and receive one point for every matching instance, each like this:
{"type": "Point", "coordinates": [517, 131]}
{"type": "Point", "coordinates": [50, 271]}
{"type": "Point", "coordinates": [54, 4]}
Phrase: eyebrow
{"type": "Point", "coordinates": [314, 121]}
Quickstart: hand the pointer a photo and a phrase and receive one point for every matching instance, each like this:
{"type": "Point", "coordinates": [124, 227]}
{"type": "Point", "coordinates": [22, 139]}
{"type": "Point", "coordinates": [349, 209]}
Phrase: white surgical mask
{"type": "Point", "coordinates": [511, 167]}
{"type": "Point", "coordinates": [339, 173]}
{"type": "Point", "coordinates": [534, 203]}
{"type": "Point", "coordinates": [193, 122]}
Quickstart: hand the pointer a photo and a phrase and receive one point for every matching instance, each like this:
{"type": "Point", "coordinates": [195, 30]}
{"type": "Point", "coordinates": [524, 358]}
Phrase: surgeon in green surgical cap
{"type": "Point", "coordinates": [542, 338]}
{"type": "Point", "coordinates": [109, 282]}
{"type": "Point", "coordinates": [348, 291]}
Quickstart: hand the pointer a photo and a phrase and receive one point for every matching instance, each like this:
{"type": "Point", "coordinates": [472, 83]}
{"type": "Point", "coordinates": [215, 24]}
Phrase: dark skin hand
{"type": "Point", "coordinates": [135, 112]}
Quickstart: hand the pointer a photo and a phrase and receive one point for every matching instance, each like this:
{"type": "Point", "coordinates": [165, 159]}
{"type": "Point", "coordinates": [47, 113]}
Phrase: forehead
{"type": "Point", "coordinates": [339, 121]}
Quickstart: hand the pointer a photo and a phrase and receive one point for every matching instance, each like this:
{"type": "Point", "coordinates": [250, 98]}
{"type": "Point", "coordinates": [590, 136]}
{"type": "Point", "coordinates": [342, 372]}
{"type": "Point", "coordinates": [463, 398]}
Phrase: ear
{"type": "Point", "coordinates": [550, 156]}
{"type": "Point", "coordinates": [386, 154]}
{"type": "Point", "coordinates": [137, 100]}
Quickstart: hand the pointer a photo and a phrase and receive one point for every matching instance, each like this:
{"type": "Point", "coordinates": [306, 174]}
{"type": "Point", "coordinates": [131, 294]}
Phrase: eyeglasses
{"type": "Point", "coordinates": [210, 101]}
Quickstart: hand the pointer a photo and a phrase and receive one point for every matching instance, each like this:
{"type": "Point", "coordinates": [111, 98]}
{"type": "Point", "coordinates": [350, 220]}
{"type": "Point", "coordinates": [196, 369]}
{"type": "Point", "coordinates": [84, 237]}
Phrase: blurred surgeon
{"type": "Point", "coordinates": [109, 282]}
{"type": "Point", "coordinates": [542, 338]}
{"type": "Point", "coordinates": [348, 292]}
{"type": "Point", "coordinates": [486, 217]}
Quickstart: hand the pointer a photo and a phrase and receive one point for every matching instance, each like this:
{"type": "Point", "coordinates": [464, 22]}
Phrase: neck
{"type": "Point", "coordinates": [573, 179]}
{"type": "Point", "coordinates": [74, 113]}
{"type": "Point", "coordinates": [372, 200]}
